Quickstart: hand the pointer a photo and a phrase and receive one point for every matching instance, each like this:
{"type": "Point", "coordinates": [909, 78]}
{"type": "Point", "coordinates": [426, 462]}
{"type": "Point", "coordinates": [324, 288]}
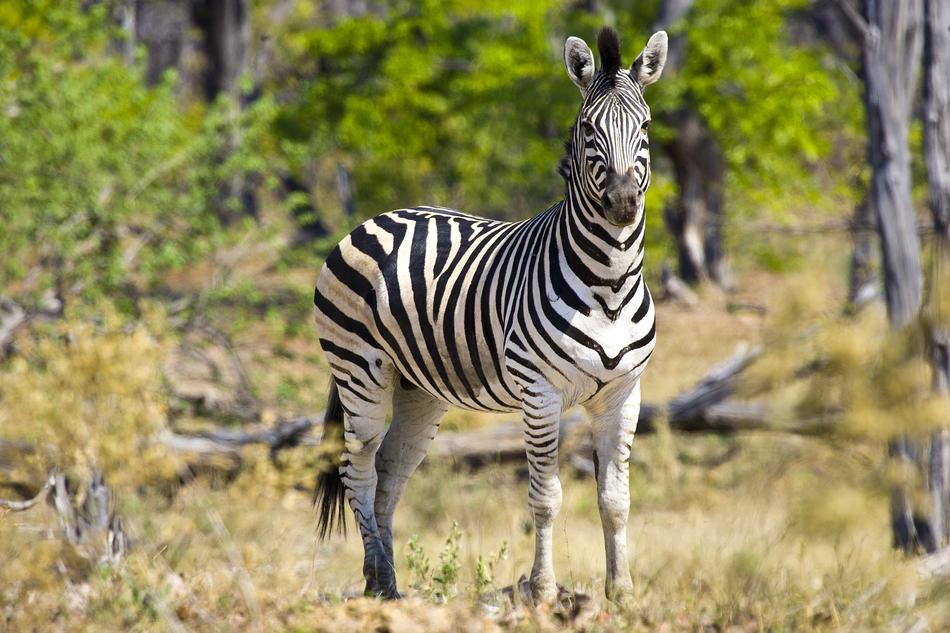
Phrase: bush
{"type": "Point", "coordinates": [89, 396]}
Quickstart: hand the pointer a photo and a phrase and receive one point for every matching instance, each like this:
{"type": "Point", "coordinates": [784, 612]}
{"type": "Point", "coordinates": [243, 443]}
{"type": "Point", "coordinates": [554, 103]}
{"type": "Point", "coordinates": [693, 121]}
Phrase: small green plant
{"type": "Point", "coordinates": [419, 566]}
{"type": "Point", "coordinates": [449, 565]}
{"type": "Point", "coordinates": [440, 583]}
{"type": "Point", "coordinates": [485, 569]}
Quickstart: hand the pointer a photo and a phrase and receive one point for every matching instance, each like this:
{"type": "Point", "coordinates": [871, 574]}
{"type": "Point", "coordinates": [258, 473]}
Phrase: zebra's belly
{"type": "Point", "coordinates": [481, 401]}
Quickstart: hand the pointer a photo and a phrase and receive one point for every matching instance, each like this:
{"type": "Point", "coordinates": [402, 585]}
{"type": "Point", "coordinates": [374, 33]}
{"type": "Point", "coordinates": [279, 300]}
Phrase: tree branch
{"type": "Point", "coordinates": [859, 24]}
{"type": "Point", "coordinates": [20, 506]}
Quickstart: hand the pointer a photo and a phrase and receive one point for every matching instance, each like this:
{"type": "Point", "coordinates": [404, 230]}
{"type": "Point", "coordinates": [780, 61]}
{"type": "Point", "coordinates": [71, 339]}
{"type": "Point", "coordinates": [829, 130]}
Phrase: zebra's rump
{"type": "Point", "coordinates": [422, 292]}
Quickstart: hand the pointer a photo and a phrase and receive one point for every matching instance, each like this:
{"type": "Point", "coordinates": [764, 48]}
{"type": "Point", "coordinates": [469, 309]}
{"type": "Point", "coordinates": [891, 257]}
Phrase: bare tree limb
{"type": "Point", "coordinates": [285, 434]}
{"type": "Point", "coordinates": [20, 506]}
{"type": "Point", "coordinates": [703, 409]}
{"type": "Point", "coordinates": [854, 19]}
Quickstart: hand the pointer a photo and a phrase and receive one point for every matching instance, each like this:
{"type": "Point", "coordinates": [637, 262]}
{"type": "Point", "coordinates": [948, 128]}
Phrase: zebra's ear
{"type": "Point", "coordinates": [579, 61]}
{"type": "Point", "coordinates": [648, 66]}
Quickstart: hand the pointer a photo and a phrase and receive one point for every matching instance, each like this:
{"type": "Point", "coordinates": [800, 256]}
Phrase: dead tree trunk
{"type": "Point", "coordinates": [834, 27]}
{"type": "Point", "coordinates": [162, 26]}
{"type": "Point", "coordinates": [695, 217]}
{"type": "Point", "coordinates": [891, 59]}
{"type": "Point", "coordinates": [936, 115]}
{"type": "Point", "coordinates": [225, 31]}
{"type": "Point", "coordinates": [225, 35]}
{"type": "Point", "coordinates": [891, 33]}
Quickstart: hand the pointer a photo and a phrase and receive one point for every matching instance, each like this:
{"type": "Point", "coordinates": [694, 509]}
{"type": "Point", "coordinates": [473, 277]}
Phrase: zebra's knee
{"type": "Point", "coordinates": [614, 505]}
{"type": "Point", "coordinates": [362, 437]}
{"type": "Point", "coordinates": [545, 499]}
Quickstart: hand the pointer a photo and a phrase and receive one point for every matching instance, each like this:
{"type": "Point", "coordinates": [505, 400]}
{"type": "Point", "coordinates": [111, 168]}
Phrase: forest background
{"type": "Point", "coordinates": [173, 172]}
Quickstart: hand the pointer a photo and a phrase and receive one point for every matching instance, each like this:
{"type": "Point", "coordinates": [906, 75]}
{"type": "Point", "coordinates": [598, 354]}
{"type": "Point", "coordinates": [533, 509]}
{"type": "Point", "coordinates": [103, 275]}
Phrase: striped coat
{"type": "Point", "coordinates": [427, 308]}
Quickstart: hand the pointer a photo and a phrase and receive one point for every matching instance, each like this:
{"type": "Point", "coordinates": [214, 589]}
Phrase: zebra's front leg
{"type": "Point", "coordinates": [364, 426]}
{"type": "Point", "coordinates": [613, 426]}
{"type": "Point", "coordinates": [541, 406]}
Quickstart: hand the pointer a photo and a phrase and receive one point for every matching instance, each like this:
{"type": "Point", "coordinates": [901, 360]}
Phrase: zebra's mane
{"type": "Point", "coordinates": [608, 44]}
{"type": "Point", "coordinates": [564, 165]}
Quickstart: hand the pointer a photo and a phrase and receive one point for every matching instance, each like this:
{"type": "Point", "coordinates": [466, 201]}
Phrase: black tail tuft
{"type": "Point", "coordinates": [328, 495]}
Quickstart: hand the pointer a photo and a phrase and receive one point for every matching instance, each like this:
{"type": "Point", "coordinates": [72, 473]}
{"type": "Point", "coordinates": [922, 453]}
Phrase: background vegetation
{"type": "Point", "coordinates": [162, 231]}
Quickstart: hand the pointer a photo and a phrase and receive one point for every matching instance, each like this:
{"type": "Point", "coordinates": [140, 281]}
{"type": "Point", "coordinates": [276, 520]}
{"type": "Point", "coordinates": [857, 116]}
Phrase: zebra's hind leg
{"type": "Point", "coordinates": [416, 416]}
{"type": "Point", "coordinates": [364, 426]}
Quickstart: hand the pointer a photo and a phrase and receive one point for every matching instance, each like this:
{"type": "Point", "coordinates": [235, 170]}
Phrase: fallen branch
{"type": "Point", "coordinates": [285, 434]}
{"type": "Point", "coordinates": [93, 529]}
{"type": "Point", "coordinates": [20, 506]}
{"type": "Point", "coordinates": [703, 409]}
{"type": "Point", "coordinates": [675, 289]}
{"type": "Point", "coordinates": [14, 317]}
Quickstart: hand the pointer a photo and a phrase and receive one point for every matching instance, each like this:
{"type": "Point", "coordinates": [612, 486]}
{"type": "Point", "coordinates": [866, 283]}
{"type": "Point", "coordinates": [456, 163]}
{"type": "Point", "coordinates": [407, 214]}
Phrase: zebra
{"type": "Point", "coordinates": [428, 308]}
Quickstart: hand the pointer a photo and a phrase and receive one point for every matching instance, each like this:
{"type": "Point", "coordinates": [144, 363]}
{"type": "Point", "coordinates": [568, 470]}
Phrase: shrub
{"type": "Point", "coordinates": [88, 395]}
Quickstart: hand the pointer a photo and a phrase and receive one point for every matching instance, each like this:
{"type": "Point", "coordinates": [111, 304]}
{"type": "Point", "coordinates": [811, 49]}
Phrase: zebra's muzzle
{"type": "Point", "coordinates": [621, 198]}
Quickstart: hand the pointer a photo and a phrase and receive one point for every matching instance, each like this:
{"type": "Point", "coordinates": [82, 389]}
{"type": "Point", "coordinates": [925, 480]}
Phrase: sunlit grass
{"type": "Point", "coordinates": [751, 532]}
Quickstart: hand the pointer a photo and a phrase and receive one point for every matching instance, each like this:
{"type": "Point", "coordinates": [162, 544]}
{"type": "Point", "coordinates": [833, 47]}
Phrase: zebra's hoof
{"type": "Point", "coordinates": [543, 591]}
{"type": "Point", "coordinates": [389, 593]}
{"type": "Point", "coordinates": [620, 592]}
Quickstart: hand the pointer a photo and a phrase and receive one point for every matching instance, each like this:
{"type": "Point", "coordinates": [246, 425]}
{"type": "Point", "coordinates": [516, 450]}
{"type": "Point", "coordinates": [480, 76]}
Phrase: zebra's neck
{"type": "Point", "coordinates": [596, 251]}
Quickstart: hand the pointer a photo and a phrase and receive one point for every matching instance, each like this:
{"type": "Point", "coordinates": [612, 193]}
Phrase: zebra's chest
{"type": "Point", "coordinates": [582, 354]}
{"type": "Point", "coordinates": [607, 350]}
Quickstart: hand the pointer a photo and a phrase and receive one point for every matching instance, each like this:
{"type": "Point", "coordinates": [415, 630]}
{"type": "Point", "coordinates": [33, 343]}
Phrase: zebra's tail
{"type": "Point", "coordinates": [328, 496]}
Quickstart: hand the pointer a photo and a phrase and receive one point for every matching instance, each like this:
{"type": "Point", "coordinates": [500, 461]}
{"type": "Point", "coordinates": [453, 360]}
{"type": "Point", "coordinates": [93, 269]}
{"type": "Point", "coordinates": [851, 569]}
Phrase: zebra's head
{"type": "Point", "coordinates": [609, 152]}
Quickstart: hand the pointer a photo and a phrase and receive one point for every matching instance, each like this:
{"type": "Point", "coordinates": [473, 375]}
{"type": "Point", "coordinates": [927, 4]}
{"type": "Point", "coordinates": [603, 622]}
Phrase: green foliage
{"type": "Point", "coordinates": [485, 569]}
{"type": "Point", "coordinates": [465, 104]}
{"type": "Point", "coordinates": [420, 568]}
{"type": "Point", "coordinates": [458, 103]}
{"type": "Point", "coordinates": [447, 575]}
{"type": "Point", "coordinates": [440, 583]}
{"type": "Point", "coordinates": [776, 107]}
{"type": "Point", "coordinates": [105, 181]}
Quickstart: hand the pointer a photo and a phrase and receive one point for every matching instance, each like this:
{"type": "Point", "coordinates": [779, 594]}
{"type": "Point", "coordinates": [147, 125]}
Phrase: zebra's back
{"type": "Point", "coordinates": [422, 293]}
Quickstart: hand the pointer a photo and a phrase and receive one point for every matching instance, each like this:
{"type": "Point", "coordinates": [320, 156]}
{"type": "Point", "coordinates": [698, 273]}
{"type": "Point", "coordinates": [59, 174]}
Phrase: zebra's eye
{"type": "Point", "coordinates": [645, 126]}
{"type": "Point", "coordinates": [587, 128]}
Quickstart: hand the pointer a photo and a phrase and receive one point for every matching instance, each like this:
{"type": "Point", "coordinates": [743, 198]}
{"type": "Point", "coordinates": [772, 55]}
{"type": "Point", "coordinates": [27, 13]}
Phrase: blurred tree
{"type": "Point", "coordinates": [461, 104]}
{"type": "Point", "coordinates": [892, 34]}
{"type": "Point", "coordinates": [695, 215]}
{"type": "Point", "coordinates": [750, 93]}
{"type": "Point", "coordinates": [207, 43]}
{"type": "Point", "coordinates": [863, 282]}
{"type": "Point", "coordinates": [105, 182]}
{"type": "Point", "coordinates": [936, 106]}
{"type": "Point", "coordinates": [454, 103]}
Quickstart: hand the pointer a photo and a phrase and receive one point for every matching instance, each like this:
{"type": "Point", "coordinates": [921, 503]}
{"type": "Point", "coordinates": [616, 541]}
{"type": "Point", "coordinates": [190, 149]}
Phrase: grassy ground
{"type": "Point", "coordinates": [757, 532]}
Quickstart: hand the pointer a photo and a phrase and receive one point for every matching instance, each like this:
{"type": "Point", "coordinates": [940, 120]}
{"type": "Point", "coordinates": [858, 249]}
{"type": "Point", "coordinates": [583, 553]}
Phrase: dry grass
{"type": "Point", "coordinates": [759, 532]}
{"type": "Point", "coordinates": [734, 534]}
